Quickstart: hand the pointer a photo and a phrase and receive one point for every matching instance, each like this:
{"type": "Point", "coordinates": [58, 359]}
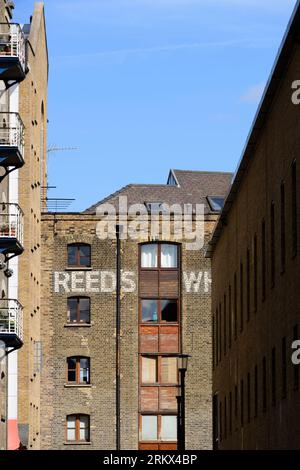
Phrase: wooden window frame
{"type": "Point", "coordinates": [78, 298]}
{"type": "Point", "coordinates": [159, 267]}
{"type": "Point", "coordinates": [77, 428]}
{"type": "Point", "coordinates": [77, 370]}
{"type": "Point", "coordinates": [78, 265]}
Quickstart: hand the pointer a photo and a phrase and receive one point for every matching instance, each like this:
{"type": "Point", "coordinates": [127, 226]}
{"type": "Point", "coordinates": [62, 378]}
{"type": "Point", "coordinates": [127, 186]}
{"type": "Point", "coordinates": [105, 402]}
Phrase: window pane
{"type": "Point", "coordinates": [169, 310]}
{"type": "Point", "coordinates": [72, 250]}
{"type": "Point", "coordinates": [71, 433]}
{"type": "Point", "coordinates": [72, 310]}
{"type": "Point", "coordinates": [149, 370]}
{"type": "Point", "coordinates": [84, 370]}
{"type": "Point", "coordinates": [149, 428]}
{"type": "Point", "coordinates": [71, 375]}
{"type": "Point", "coordinates": [85, 255]}
{"type": "Point", "coordinates": [168, 256]}
{"type": "Point", "coordinates": [149, 311]}
{"type": "Point", "coordinates": [168, 428]}
{"type": "Point", "coordinates": [84, 428]}
{"type": "Point", "coordinates": [84, 306]}
{"type": "Point", "coordinates": [169, 370]}
{"type": "Point", "coordinates": [149, 256]}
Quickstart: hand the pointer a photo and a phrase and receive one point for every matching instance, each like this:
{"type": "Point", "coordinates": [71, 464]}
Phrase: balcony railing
{"type": "Point", "coordinates": [12, 131]}
{"type": "Point", "coordinates": [11, 322]}
{"type": "Point", "coordinates": [12, 42]}
{"type": "Point", "coordinates": [11, 222]}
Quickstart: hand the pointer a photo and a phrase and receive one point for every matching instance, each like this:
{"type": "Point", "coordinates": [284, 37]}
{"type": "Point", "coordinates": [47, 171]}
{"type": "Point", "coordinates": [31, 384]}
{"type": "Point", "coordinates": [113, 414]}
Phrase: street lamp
{"type": "Point", "coordinates": [182, 368]}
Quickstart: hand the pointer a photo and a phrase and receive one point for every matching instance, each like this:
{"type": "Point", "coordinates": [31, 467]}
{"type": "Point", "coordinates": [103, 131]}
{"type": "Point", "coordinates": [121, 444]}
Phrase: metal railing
{"type": "Point", "coordinates": [12, 131]}
{"type": "Point", "coordinates": [11, 317]}
{"type": "Point", "coordinates": [11, 221]}
{"type": "Point", "coordinates": [12, 42]}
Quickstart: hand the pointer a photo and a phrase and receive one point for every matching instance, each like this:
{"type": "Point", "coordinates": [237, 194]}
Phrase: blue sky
{"type": "Point", "coordinates": [141, 86]}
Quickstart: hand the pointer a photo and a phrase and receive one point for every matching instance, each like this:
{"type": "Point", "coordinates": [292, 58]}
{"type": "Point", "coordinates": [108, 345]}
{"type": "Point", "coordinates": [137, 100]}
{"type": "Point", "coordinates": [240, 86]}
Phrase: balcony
{"type": "Point", "coordinates": [11, 323]}
{"type": "Point", "coordinates": [12, 52]}
{"type": "Point", "coordinates": [11, 230]}
{"type": "Point", "coordinates": [11, 142]}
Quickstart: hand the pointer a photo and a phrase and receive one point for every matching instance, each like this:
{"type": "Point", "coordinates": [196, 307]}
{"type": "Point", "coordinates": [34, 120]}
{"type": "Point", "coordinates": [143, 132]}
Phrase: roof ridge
{"type": "Point", "coordinates": [102, 201]}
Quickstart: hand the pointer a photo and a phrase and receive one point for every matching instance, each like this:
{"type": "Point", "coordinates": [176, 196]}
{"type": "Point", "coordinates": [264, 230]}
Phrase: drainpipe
{"type": "Point", "coordinates": [118, 333]}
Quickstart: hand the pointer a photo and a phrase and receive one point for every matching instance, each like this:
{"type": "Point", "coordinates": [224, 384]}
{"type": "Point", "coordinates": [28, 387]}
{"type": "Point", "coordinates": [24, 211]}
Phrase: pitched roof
{"type": "Point", "coordinates": [193, 188]}
{"type": "Point", "coordinates": [291, 38]}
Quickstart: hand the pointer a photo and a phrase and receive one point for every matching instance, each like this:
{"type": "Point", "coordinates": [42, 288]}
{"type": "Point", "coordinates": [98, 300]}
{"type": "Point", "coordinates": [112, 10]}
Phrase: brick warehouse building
{"type": "Point", "coordinates": [165, 310]}
{"type": "Point", "coordinates": [255, 272]}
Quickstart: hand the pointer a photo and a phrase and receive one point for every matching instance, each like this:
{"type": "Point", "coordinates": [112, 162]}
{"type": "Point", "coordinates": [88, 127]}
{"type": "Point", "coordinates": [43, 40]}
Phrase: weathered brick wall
{"type": "Point", "coordinates": [32, 180]}
{"type": "Point", "coordinates": [98, 342]}
{"type": "Point", "coordinates": [278, 427]}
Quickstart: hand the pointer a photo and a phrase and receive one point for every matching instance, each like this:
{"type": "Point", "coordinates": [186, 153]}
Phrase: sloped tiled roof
{"type": "Point", "coordinates": [193, 188]}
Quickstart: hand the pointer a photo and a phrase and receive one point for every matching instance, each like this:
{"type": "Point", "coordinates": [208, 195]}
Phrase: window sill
{"type": "Point", "coordinates": [76, 443]}
{"type": "Point", "coordinates": [81, 325]}
{"type": "Point", "coordinates": [77, 385]}
{"type": "Point", "coordinates": [79, 268]}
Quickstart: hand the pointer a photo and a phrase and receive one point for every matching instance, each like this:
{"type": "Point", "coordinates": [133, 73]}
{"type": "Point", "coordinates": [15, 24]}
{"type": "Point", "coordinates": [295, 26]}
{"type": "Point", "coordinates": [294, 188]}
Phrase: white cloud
{"type": "Point", "coordinates": [253, 94]}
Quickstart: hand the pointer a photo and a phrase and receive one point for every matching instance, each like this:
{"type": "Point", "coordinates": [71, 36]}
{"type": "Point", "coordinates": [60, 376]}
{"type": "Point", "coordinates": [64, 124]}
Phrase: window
{"type": "Point", "coordinates": [296, 367]}
{"type": "Point", "coordinates": [264, 384]}
{"type": "Point", "coordinates": [158, 428]}
{"type": "Point", "coordinates": [249, 397]}
{"type": "Point", "coordinates": [165, 311]}
{"type": "Point", "coordinates": [255, 391]}
{"type": "Point", "coordinates": [241, 297]}
{"type": "Point", "coordinates": [169, 310]}
{"type": "Point", "coordinates": [273, 261]}
{"type": "Point", "coordinates": [273, 376]}
{"type": "Point", "coordinates": [235, 306]}
{"type": "Point", "coordinates": [78, 370]}
{"type": "Point", "coordinates": [160, 369]}
{"type": "Point", "coordinates": [169, 256]}
{"type": "Point", "coordinates": [229, 317]}
{"type": "Point", "coordinates": [263, 260]}
{"type": "Point", "coordinates": [230, 413]}
{"type": "Point", "coordinates": [155, 207]}
{"type": "Point", "coordinates": [149, 370]}
{"type": "Point", "coordinates": [282, 227]}
{"type": "Point", "coordinates": [225, 324]}
{"type": "Point", "coordinates": [149, 256]}
{"type": "Point", "coordinates": [294, 209]}
{"type": "Point", "coordinates": [284, 368]}
{"type": "Point", "coordinates": [79, 310]}
{"type": "Point", "coordinates": [216, 203]}
{"type": "Point", "coordinates": [242, 403]}
{"type": "Point", "coordinates": [79, 255]}
{"type": "Point", "coordinates": [255, 272]}
{"type": "Point", "coordinates": [78, 428]}
{"type": "Point", "coordinates": [168, 428]}
{"type": "Point", "coordinates": [159, 255]}
{"type": "Point", "coordinates": [168, 370]}
{"type": "Point", "coordinates": [248, 285]}
{"type": "Point", "coordinates": [220, 332]}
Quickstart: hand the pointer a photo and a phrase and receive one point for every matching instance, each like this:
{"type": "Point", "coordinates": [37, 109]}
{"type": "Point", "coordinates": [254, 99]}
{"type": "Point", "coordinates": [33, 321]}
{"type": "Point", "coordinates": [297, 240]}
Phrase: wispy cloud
{"type": "Point", "coordinates": [253, 94]}
{"type": "Point", "coordinates": [122, 54]}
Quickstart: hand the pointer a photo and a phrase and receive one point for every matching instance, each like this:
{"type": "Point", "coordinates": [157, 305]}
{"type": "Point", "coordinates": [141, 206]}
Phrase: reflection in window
{"type": "Point", "coordinates": [78, 370]}
{"type": "Point", "coordinates": [79, 255]}
{"type": "Point", "coordinates": [149, 311]}
{"type": "Point", "coordinates": [78, 310]}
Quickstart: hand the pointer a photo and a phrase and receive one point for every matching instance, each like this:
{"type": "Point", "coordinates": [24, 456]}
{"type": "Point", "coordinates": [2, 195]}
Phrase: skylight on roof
{"type": "Point", "coordinates": [154, 207]}
{"type": "Point", "coordinates": [216, 203]}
